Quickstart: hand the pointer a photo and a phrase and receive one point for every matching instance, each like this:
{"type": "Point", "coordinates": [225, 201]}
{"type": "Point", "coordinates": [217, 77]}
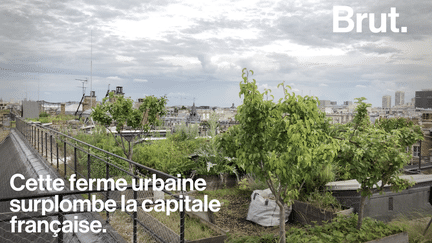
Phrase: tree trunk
{"type": "Point", "coordinates": [360, 215]}
{"type": "Point", "coordinates": [282, 236]}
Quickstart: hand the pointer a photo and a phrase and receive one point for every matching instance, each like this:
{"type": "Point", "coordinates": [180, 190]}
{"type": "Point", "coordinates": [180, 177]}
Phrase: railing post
{"type": "Point", "coordinates": [135, 219]}
{"type": "Point", "coordinates": [182, 223]}
{"type": "Point", "coordinates": [88, 171]}
{"type": "Point", "coordinates": [38, 140]}
{"type": "Point", "coordinates": [51, 148]}
{"type": "Point", "coordinates": [64, 155]}
{"type": "Point", "coordinates": [75, 161]}
{"type": "Point", "coordinates": [57, 156]}
{"type": "Point", "coordinates": [107, 191]}
{"type": "Point", "coordinates": [42, 142]}
{"type": "Point", "coordinates": [46, 145]}
{"type": "Point", "coordinates": [60, 218]}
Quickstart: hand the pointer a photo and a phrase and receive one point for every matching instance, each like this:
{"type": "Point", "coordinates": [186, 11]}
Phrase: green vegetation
{"type": "Point", "coordinates": [342, 229]}
{"type": "Point", "coordinates": [374, 155]}
{"type": "Point", "coordinates": [212, 159]}
{"type": "Point", "coordinates": [121, 112]}
{"type": "Point", "coordinates": [284, 143]}
{"type": "Point", "coordinates": [288, 146]}
{"type": "Point", "coordinates": [46, 118]}
{"type": "Point", "coordinates": [416, 228]}
{"type": "Point", "coordinates": [169, 155]}
{"type": "Point", "coordinates": [183, 132]}
{"type": "Point", "coordinates": [322, 199]}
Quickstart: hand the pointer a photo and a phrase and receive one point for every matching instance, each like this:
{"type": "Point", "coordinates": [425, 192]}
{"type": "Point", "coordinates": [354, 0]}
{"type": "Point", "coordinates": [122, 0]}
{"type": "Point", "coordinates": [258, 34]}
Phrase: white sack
{"type": "Point", "coordinates": [263, 209]}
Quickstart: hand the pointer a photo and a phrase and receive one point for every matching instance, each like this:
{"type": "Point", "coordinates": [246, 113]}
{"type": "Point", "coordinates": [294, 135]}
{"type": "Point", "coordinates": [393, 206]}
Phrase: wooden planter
{"type": "Point", "coordinates": [304, 213]}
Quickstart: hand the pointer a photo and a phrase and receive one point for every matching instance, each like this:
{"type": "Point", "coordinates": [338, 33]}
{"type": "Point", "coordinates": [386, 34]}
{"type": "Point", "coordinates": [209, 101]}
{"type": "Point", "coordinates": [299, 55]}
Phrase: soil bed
{"type": "Point", "coordinates": [232, 215]}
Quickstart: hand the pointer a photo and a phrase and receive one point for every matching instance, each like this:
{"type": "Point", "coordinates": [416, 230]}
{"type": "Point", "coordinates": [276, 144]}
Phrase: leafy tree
{"type": "Point", "coordinates": [121, 113]}
{"type": "Point", "coordinates": [284, 144]}
{"type": "Point", "coordinates": [374, 155]}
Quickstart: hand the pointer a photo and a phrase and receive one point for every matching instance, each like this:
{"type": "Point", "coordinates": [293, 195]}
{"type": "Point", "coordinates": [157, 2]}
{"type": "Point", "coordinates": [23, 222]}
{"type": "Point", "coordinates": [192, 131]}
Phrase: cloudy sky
{"type": "Point", "coordinates": [196, 49]}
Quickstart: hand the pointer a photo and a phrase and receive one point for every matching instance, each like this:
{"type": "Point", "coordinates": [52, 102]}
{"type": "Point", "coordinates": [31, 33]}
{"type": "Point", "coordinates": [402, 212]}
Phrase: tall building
{"type": "Point", "coordinates": [386, 102]}
{"type": "Point", "coordinates": [423, 99]}
{"type": "Point", "coordinates": [399, 98]}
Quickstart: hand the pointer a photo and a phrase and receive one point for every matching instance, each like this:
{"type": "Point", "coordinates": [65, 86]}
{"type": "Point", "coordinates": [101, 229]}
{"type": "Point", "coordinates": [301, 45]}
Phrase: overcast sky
{"type": "Point", "coordinates": [197, 49]}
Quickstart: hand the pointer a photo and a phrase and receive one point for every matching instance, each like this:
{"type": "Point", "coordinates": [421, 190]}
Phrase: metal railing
{"type": "Point", "coordinates": [72, 156]}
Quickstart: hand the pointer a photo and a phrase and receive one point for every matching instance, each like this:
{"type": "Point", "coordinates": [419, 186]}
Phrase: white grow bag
{"type": "Point", "coordinates": [263, 209]}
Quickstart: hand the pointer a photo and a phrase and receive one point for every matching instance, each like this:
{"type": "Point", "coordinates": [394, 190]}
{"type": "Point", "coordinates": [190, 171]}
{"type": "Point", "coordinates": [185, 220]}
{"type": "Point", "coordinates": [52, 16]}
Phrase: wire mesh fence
{"type": "Point", "coordinates": [74, 158]}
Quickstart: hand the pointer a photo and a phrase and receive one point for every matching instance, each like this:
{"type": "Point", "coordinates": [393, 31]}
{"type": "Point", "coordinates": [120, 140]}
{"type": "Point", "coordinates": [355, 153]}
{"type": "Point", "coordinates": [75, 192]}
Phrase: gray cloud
{"type": "Point", "coordinates": [49, 42]}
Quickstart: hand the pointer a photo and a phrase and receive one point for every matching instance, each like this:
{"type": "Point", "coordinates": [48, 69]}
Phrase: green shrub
{"type": "Point", "coordinates": [44, 119]}
{"type": "Point", "coordinates": [43, 114]}
{"type": "Point", "coordinates": [169, 155]}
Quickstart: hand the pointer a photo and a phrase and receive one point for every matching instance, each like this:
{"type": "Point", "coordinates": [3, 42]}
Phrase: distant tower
{"type": "Point", "coordinates": [399, 98]}
{"type": "Point", "coordinates": [194, 117]}
{"type": "Point", "coordinates": [386, 102]}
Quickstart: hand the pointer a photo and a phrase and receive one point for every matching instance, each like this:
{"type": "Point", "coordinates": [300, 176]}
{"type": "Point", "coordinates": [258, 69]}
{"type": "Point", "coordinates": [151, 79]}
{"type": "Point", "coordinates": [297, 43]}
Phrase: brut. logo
{"type": "Point", "coordinates": [337, 19]}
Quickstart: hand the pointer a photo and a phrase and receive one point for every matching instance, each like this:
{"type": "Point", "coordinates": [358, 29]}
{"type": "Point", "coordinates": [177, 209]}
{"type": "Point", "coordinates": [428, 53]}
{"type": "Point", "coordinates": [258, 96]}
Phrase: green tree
{"type": "Point", "coordinates": [283, 143]}
{"type": "Point", "coordinates": [121, 113]}
{"type": "Point", "coordinates": [374, 155]}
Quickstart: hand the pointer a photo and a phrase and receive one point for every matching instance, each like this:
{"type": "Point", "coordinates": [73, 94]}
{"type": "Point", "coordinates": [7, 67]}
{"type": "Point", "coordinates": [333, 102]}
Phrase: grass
{"type": "Point", "coordinates": [415, 228]}
{"type": "Point", "coordinates": [122, 223]}
{"type": "Point", "coordinates": [194, 229]}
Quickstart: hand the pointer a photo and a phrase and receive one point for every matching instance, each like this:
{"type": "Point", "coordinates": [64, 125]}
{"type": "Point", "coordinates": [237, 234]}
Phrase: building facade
{"type": "Point", "coordinates": [423, 99]}
{"type": "Point", "coordinates": [399, 98]}
{"type": "Point", "coordinates": [386, 102]}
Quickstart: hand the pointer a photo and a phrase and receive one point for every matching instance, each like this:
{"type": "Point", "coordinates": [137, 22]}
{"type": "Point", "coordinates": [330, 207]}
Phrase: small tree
{"type": "Point", "coordinates": [374, 155]}
{"type": "Point", "coordinates": [283, 143]}
{"type": "Point", "coordinates": [121, 113]}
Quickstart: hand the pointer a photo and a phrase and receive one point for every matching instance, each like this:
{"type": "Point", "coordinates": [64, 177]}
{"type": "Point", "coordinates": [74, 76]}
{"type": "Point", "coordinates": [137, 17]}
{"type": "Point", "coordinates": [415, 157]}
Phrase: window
{"type": "Point", "coordinates": [416, 151]}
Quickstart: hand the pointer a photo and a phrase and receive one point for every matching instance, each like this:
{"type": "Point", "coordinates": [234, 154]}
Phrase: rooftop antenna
{"type": "Point", "coordinates": [83, 82]}
{"type": "Point", "coordinates": [91, 66]}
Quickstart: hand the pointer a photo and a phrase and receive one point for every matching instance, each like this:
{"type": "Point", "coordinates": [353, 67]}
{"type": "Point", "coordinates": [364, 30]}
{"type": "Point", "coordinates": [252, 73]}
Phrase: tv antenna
{"type": "Point", "coordinates": [83, 82]}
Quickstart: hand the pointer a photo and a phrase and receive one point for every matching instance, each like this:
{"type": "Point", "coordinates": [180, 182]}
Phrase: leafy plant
{"type": "Point", "coordinates": [43, 114]}
{"type": "Point", "coordinates": [322, 199]}
{"type": "Point", "coordinates": [249, 183]}
{"type": "Point", "coordinates": [284, 144]}
{"type": "Point", "coordinates": [212, 160]}
{"type": "Point", "coordinates": [167, 155]}
{"type": "Point", "coordinates": [374, 154]}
